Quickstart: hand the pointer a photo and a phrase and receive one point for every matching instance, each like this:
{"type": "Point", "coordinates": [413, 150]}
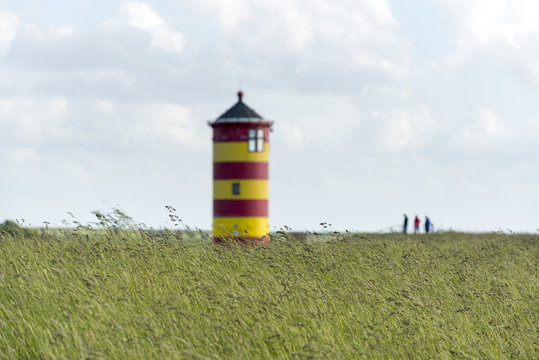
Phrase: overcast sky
{"type": "Point", "coordinates": [381, 107]}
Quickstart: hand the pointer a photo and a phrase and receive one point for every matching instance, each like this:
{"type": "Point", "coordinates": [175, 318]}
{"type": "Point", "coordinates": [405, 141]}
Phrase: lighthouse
{"type": "Point", "coordinates": [240, 174]}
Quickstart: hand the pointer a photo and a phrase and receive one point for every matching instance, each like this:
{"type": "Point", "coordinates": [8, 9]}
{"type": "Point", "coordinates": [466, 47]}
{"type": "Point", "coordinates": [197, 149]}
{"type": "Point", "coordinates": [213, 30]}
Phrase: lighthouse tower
{"type": "Point", "coordinates": [240, 174]}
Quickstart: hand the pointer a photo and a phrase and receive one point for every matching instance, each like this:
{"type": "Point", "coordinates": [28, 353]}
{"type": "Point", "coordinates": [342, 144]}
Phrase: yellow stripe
{"type": "Point", "coordinates": [236, 226]}
{"type": "Point", "coordinates": [249, 189]}
{"type": "Point", "coordinates": [238, 152]}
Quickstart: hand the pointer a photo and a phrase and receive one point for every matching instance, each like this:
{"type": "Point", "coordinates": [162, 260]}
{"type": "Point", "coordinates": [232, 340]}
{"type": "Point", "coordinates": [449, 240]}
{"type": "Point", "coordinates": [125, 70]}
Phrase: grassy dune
{"type": "Point", "coordinates": [133, 294]}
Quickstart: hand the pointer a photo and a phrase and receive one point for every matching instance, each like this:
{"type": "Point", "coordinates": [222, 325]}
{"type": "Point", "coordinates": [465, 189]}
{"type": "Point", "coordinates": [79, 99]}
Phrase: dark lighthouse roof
{"type": "Point", "coordinates": [239, 113]}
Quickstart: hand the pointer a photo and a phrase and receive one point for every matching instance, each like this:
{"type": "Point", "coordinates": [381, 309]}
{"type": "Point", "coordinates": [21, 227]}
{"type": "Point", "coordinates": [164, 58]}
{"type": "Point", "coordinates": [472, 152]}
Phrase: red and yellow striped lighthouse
{"type": "Point", "coordinates": [240, 174]}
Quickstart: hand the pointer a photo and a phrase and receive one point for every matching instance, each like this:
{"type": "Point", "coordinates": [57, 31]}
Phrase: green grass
{"type": "Point", "coordinates": [134, 294]}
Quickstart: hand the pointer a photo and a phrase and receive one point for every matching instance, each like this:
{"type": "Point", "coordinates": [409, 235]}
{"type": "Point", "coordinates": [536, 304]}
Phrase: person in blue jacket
{"type": "Point", "coordinates": [427, 224]}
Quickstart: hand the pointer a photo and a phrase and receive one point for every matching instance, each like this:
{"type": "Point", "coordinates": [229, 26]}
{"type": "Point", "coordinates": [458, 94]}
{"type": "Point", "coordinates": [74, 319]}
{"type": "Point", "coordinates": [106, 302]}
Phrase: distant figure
{"type": "Point", "coordinates": [405, 225]}
{"type": "Point", "coordinates": [427, 224]}
{"type": "Point", "coordinates": [416, 225]}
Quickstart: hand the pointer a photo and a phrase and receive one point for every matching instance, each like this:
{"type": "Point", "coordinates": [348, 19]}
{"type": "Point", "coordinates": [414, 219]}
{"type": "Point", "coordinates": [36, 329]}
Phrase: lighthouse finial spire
{"type": "Point", "coordinates": [240, 95]}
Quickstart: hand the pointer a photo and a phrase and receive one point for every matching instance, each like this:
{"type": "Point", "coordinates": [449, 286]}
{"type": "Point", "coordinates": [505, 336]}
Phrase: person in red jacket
{"type": "Point", "coordinates": [416, 225]}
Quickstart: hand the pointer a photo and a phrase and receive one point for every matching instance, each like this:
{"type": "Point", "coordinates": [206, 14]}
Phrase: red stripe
{"type": "Point", "coordinates": [240, 170]}
{"type": "Point", "coordinates": [249, 208]}
{"type": "Point", "coordinates": [237, 133]}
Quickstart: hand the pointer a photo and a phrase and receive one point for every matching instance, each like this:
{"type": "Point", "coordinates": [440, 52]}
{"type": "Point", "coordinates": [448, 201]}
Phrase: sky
{"type": "Point", "coordinates": [381, 107]}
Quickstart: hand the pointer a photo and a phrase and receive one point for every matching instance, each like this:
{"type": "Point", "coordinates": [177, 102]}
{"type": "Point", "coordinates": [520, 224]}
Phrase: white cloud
{"type": "Point", "coordinates": [23, 154]}
{"type": "Point", "coordinates": [27, 124]}
{"type": "Point", "coordinates": [154, 126]}
{"type": "Point", "coordinates": [119, 76]}
{"type": "Point", "coordinates": [74, 170]}
{"type": "Point", "coordinates": [504, 31]}
{"type": "Point", "coordinates": [229, 13]}
{"type": "Point", "coordinates": [352, 35]}
{"type": "Point", "coordinates": [168, 122]}
{"type": "Point", "coordinates": [48, 33]}
{"type": "Point", "coordinates": [105, 107]}
{"type": "Point", "coordinates": [489, 21]}
{"type": "Point", "coordinates": [141, 16]}
{"type": "Point", "coordinates": [9, 26]}
{"type": "Point", "coordinates": [534, 123]}
{"type": "Point", "coordinates": [305, 120]}
{"type": "Point", "coordinates": [293, 136]}
{"type": "Point", "coordinates": [402, 129]}
{"type": "Point", "coordinates": [485, 128]}
{"type": "Point", "coordinates": [116, 59]}
{"type": "Point", "coordinates": [32, 121]}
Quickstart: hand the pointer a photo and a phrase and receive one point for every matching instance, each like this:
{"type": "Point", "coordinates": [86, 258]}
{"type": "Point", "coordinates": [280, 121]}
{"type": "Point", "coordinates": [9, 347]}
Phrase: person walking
{"type": "Point", "coordinates": [427, 224]}
{"type": "Point", "coordinates": [405, 225]}
{"type": "Point", "coordinates": [416, 224]}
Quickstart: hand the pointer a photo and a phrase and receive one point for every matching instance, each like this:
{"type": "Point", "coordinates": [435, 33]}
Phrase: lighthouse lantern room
{"type": "Point", "coordinates": [240, 174]}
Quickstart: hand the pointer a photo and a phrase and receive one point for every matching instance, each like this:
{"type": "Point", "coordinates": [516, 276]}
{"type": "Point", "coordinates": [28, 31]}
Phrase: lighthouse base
{"type": "Point", "coordinates": [243, 240]}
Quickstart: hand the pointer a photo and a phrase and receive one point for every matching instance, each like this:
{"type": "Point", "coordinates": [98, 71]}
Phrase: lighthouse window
{"type": "Point", "coordinates": [256, 140]}
{"type": "Point", "coordinates": [260, 139]}
{"type": "Point", "coordinates": [235, 188]}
